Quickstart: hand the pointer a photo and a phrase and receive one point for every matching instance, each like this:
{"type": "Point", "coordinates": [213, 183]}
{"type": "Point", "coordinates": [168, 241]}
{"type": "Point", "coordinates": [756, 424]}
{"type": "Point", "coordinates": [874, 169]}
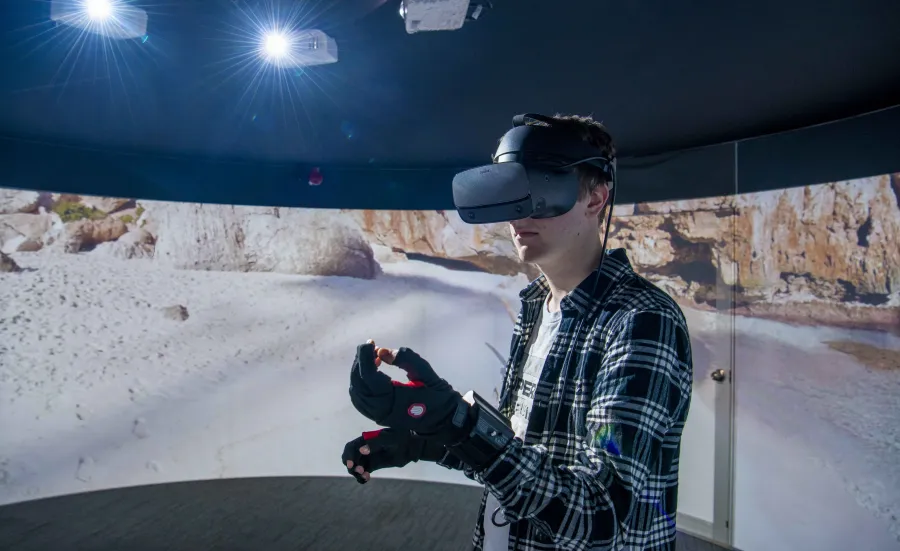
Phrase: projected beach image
{"type": "Point", "coordinates": [145, 342]}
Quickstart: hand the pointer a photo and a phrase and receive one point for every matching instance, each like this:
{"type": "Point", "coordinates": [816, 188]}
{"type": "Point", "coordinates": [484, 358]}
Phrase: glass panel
{"type": "Point", "coordinates": [817, 418]}
{"type": "Point", "coordinates": [679, 246]}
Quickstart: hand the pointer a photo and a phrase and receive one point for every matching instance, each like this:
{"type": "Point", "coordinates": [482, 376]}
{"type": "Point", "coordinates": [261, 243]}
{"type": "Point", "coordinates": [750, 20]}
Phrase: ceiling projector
{"type": "Point", "coordinates": [303, 48]}
{"type": "Point", "coordinates": [439, 15]}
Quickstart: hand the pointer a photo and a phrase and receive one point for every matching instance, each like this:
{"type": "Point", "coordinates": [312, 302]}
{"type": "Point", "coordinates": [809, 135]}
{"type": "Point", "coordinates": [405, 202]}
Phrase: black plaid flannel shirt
{"type": "Point", "coordinates": [598, 469]}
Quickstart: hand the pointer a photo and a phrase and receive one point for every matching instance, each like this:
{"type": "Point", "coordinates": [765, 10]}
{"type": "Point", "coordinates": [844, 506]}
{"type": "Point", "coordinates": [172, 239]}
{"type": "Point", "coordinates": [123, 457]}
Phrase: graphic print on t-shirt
{"type": "Point", "coordinates": [496, 538]}
{"type": "Point", "coordinates": [538, 350]}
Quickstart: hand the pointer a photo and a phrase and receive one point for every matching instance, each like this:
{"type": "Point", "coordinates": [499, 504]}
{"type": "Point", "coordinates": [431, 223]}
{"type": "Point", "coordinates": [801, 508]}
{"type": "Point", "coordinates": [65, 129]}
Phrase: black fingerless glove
{"type": "Point", "coordinates": [427, 404]}
{"type": "Point", "coordinates": [390, 448]}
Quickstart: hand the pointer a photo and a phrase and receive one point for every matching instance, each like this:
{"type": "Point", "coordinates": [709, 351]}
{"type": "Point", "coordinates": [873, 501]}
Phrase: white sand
{"type": "Point", "coordinates": [817, 452]}
{"type": "Point", "coordinates": [98, 389]}
{"type": "Point", "coordinates": [817, 438]}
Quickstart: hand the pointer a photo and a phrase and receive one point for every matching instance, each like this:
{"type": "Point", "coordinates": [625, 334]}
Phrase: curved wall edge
{"type": "Point", "coordinates": [851, 148]}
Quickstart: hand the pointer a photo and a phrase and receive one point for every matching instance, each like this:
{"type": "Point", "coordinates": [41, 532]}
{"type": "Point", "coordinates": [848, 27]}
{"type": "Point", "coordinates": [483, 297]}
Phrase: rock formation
{"type": "Point", "coordinates": [17, 201]}
{"type": "Point", "coordinates": [106, 205]}
{"type": "Point", "coordinates": [85, 235]}
{"type": "Point", "coordinates": [443, 234]}
{"type": "Point", "coordinates": [258, 239]}
{"type": "Point", "coordinates": [30, 221]}
{"type": "Point", "coordinates": [8, 265]}
{"type": "Point", "coordinates": [137, 243]}
{"type": "Point", "coordinates": [23, 232]}
{"type": "Point", "coordinates": [177, 312]}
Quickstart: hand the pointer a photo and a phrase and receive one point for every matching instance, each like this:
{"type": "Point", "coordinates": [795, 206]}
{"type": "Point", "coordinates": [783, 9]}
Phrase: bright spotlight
{"type": "Point", "coordinates": [301, 48]}
{"type": "Point", "coordinates": [277, 45]}
{"type": "Point", "coordinates": [98, 9]}
{"type": "Point", "coordinates": [116, 19]}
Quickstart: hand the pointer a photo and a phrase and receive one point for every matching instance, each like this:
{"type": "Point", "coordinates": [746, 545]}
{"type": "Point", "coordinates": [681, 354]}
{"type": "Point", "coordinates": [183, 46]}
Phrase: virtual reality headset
{"type": "Point", "coordinates": [533, 174]}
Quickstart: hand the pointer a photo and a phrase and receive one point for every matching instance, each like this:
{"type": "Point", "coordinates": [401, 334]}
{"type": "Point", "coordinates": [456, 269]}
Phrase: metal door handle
{"type": "Point", "coordinates": [718, 375]}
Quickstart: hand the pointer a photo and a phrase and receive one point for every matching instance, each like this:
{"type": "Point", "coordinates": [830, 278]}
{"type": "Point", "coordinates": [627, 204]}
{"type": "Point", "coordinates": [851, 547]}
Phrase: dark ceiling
{"type": "Point", "coordinates": [663, 75]}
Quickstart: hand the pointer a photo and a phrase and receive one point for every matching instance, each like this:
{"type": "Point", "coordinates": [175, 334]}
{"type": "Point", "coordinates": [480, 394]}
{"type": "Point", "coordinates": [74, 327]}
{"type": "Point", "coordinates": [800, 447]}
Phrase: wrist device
{"type": "Point", "coordinates": [489, 433]}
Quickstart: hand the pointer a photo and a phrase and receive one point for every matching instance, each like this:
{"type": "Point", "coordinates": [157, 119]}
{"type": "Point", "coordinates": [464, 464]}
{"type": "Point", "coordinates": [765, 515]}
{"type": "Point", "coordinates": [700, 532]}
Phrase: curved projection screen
{"type": "Point", "coordinates": [145, 342]}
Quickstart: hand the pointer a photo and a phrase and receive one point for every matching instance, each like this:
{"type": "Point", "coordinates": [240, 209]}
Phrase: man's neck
{"type": "Point", "coordinates": [565, 274]}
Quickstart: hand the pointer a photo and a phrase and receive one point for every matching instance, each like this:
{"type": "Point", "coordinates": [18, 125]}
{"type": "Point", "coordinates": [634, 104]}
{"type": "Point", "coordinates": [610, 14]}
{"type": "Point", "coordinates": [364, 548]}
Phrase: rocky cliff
{"type": "Point", "coordinates": [187, 235]}
{"type": "Point", "coordinates": [442, 235]}
{"type": "Point", "coordinates": [819, 254]}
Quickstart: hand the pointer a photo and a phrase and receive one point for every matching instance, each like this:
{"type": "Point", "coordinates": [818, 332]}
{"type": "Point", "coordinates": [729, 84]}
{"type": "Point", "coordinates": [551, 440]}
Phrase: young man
{"type": "Point", "coordinates": [597, 392]}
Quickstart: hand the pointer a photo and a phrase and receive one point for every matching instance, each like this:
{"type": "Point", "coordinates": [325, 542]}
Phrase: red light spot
{"type": "Point", "coordinates": [315, 177]}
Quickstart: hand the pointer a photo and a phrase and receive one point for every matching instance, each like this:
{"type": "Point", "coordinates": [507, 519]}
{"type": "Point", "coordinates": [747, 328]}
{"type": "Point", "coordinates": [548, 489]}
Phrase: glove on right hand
{"type": "Point", "coordinates": [388, 448]}
{"type": "Point", "coordinates": [426, 404]}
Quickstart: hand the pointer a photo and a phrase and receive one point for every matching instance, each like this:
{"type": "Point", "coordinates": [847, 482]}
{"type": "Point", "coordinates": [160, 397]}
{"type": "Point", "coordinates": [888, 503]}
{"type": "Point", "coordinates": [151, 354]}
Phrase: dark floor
{"type": "Point", "coordinates": [327, 514]}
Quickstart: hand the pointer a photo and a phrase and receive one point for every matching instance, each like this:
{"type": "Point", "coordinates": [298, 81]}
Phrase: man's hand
{"type": "Point", "coordinates": [385, 448]}
{"type": "Point", "coordinates": [426, 404]}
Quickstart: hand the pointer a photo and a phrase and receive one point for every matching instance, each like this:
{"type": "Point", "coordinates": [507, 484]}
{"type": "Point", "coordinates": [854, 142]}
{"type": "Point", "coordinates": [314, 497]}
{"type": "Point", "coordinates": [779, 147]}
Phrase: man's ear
{"type": "Point", "coordinates": [597, 200]}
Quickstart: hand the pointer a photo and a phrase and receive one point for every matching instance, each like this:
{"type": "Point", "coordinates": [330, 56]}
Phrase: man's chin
{"type": "Point", "coordinates": [528, 255]}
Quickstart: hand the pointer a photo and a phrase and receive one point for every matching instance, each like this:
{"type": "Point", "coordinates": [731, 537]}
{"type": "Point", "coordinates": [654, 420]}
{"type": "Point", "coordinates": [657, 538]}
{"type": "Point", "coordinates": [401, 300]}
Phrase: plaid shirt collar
{"type": "Point", "coordinates": [591, 291]}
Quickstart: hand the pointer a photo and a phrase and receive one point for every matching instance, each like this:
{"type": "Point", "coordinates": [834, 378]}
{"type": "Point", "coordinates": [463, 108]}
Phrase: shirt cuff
{"type": "Point", "coordinates": [497, 471]}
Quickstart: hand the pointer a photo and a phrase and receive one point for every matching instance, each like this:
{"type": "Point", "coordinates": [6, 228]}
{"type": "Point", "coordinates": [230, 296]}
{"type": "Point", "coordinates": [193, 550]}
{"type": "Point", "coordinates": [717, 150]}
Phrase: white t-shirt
{"type": "Point", "coordinates": [497, 538]}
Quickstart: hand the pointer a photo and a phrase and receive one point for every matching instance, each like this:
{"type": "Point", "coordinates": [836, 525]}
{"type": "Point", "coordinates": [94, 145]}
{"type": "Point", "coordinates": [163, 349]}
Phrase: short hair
{"type": "Point", "coordinates": [594, 133]}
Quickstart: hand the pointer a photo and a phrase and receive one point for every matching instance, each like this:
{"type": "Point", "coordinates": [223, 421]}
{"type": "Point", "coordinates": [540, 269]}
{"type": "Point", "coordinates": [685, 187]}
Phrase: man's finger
{"type": "Point", "coordinates": [377, 359]}
{"type": "Point", "coordinates": [359, 478]}
{"type": "Point", "coordinates": [355, 463]}
{"type": "Point", "coordinates": [367, 375]}
{"type": "Point", "coordinates": [386, 355]}
{"type": "Point", "coordinates": [350, 456]}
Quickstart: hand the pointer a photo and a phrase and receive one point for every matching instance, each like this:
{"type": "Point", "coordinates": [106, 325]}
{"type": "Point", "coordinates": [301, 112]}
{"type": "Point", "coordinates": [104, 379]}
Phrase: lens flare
{"type": "Point", "coordinates": [604, 438]}
{"type": "Point", "coordinates": [268, 48]}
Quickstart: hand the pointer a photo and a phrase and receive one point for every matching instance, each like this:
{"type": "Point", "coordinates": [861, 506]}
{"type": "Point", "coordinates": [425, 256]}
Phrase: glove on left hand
{"type": "Point", "coordinates": [388, 448]}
